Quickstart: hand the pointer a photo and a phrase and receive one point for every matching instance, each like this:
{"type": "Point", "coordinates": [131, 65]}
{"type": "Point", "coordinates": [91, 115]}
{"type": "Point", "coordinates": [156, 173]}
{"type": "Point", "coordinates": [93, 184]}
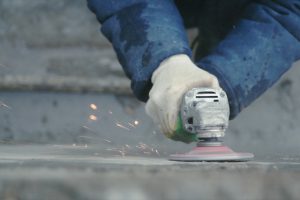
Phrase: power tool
{"type": "Point", "coordinates": [203, 117]}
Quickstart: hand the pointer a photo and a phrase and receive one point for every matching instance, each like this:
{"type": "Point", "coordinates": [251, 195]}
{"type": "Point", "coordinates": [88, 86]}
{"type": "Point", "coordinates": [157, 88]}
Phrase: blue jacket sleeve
{"type": "Point", "coordinates": [253, 56]}
{"type": "Point", "coordinates": [143, 33]}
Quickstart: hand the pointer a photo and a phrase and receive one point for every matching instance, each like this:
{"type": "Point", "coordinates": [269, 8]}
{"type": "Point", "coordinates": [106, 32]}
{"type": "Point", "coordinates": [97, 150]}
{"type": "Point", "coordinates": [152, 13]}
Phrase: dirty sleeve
{"type": "Point", "coordinates": [261, 47]}
{"type": "Point", "coordinates": [143, 34]}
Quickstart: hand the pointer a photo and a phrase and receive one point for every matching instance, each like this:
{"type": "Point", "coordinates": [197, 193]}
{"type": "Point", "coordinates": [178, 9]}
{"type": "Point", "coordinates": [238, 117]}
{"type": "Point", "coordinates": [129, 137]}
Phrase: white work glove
{"type": "Point", "coordinates": [171, 80]}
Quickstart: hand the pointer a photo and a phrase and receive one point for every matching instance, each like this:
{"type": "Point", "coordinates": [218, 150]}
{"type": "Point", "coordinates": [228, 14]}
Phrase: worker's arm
{"type": "Point", "coordinates": [143, 34]}
{"type": "Point", "coordinates": [151, 43]}
{"type": "Point", "coordinates": [260, 48]}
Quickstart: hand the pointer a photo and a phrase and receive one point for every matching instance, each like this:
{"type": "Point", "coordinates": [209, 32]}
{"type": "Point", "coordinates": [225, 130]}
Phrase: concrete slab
{"type": "Point", "coordinates": [94, 155]}
{"type": "Point", "coordinates": [267, 127]}
{"type": "Point", "coordinates": [72, 172]}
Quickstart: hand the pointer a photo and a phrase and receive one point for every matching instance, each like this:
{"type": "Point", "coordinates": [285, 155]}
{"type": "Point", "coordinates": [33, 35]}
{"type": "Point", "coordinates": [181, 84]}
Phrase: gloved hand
{"type": "Point", "coordinates": [171, 80]}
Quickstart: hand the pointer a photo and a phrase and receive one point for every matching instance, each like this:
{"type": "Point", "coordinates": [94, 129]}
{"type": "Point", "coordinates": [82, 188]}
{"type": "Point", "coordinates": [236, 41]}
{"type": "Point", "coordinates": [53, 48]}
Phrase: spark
{"type": "Point", "coordinates": [88, 128]}
{"type": "Point", "coordinates": [142, 146]}
{"type": "Point", "coordinates": [110, 112]}
{"type": "Point", "coordinates": [146, 149]}
{"type": "Point", "coordinates": [157, 152]}
{"type": "Point", "coordinates": [122, 126]}
{"type": "Point", "coordinates": [130, 124]}
{"type": "Point", "coordinates": [106, 140]}
{"type": "Point", "coordinates": [119, 150]}
{"type": "Point", "coordinates": [93, 117]}
{"type": "Point", "coordinates": [74, 145]}
{"type": "Point", "coordinates": [134, 124]}
{"type": "Point", "coordinates": [4, 105]}
{"type": "Point", "coordinates": [93, 106]}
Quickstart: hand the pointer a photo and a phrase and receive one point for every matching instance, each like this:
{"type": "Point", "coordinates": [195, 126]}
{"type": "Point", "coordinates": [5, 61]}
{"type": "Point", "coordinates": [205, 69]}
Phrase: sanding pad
{"type": "Point", "coordinates": [211, 153]}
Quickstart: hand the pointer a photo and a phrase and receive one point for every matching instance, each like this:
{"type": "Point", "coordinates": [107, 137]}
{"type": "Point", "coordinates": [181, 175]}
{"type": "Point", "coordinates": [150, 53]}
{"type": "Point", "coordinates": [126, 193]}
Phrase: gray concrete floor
{"type": "Point", "coordinates": [52, 149]}
{"type": "Point", "coordinates": [84, 172]}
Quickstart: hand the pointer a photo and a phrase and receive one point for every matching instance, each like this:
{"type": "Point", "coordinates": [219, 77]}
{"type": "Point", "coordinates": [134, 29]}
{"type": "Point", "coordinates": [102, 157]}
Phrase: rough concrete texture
{"type": "Point", "coordinates": [57, 46]}
{"type": "Point", "coordinates": [270, 125]}
{"type": "Point", "coordinates": [56, 23]}
{"type": "Point", "coordinates": [60, 146]}
{"type": "Point", "coordinates": [74, 172]}
{"type": "Point", "coordinates": [68, 118]}
{"type": "Point", "coordinates": [92, 154]}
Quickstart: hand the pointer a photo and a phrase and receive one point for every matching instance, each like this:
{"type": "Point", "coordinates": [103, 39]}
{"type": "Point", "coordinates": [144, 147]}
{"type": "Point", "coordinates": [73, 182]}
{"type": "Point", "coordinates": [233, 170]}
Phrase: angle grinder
{"type": "Point", "coordinates": [203, 118]}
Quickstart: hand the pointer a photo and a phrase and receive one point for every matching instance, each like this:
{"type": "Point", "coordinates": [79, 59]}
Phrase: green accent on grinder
{"type": "Point", "coordinates": [180, 134]}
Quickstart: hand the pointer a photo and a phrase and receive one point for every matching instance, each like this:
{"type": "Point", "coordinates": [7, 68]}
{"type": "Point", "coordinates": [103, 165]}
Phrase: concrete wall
{"type": "Point", "coordinates": [55, 45]}
{"type": "Point", "coordinates": [56, 23]}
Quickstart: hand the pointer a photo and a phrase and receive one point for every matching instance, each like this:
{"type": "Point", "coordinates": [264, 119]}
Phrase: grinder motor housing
{"type": "Point", "coordinates": [205, 113]}
{"type": "Point", "coordinates": [204, 117]}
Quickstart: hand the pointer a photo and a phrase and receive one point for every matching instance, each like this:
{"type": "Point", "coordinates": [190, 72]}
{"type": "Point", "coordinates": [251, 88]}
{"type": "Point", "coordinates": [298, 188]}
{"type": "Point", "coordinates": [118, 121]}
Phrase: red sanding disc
{"type": "Point", "coordinates": [211, 153]}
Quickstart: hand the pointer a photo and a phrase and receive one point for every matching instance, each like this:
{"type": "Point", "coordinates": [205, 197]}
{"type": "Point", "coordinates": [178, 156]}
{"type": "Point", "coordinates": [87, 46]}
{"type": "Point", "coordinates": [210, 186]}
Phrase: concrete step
{"type": "Point", "coordinates": [62, 69]}
{"type": "Point", "coordinates": [270, 125]}
{"type": "Point", "coordinates": [56, 46]}
{"type": "Point", "coordinates": [45, 24]}
{"type": "Point", "coordinates": [111, 121]}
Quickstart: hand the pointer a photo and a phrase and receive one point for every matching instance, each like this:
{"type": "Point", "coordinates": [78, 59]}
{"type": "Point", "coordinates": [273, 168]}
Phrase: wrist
{"type": "Point", "coordinates": [178, 58]}
{"type": "Point", "coordinates": [172, 63]}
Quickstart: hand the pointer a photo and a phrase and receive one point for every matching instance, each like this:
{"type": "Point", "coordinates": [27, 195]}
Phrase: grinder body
{"type": "Point", "coordinates": [205, 112]}
{"type": "Point", "coordinates": [203, 118]}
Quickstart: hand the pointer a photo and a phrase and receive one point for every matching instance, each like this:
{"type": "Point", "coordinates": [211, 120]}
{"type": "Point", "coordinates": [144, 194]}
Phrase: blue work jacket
{"type": "Point", "coordinates": [261, 46]}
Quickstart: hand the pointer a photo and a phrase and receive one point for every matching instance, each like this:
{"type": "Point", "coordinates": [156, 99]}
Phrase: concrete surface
{"type": "Point", "coordinates": [53, 149]}
{"type": "Point", "coordinates": [56, 68]}
{"type": "Point", "coordinates": [55, 46]}
{"type": "Point", "coordinates": [41, 24]}
{"type": "Point", "coordinates": [269, 125]}
{"type": "Point", "coordinates": [76, 172]}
